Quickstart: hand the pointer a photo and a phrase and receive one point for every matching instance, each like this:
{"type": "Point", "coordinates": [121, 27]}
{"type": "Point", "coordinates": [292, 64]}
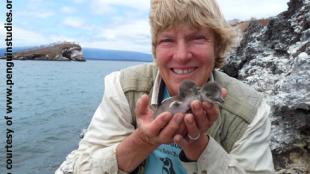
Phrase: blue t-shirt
{"type": "Point", "coordinates": [165, 159]}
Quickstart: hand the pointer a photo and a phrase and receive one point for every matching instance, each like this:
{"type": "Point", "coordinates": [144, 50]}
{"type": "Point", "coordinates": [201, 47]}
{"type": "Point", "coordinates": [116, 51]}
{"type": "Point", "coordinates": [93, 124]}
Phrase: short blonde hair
{"type": "Point", "coordinates": [165, 14]}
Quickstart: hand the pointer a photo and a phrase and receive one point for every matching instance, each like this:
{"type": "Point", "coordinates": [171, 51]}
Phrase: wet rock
{"type": "Point", "coordinates": [83, 132]}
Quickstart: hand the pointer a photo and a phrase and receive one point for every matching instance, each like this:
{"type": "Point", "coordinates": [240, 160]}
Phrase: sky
{"type": "Point", "coordinates": [106, 24]}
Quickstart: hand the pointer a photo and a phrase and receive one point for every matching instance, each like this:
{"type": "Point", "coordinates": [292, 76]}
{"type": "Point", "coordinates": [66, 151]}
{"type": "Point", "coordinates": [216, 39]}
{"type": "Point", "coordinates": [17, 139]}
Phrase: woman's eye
{"type": "Point", "coordinates": [200, 38]}
{"type": "Point", "coordinates": [166, 40]}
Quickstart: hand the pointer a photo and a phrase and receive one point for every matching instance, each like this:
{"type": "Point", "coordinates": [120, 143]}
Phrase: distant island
{"type": "Point", "coordinates": [61, 51]}
{"type": "Point", "coordinates": [68, 51]}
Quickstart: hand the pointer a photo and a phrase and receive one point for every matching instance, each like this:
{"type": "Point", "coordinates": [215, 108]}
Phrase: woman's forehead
{"type": "Point", "coordinates": [185, 28]}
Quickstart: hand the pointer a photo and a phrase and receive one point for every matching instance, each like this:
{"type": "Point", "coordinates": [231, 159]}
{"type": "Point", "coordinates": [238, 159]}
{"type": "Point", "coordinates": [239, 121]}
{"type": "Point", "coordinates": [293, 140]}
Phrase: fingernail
{"type": "Point", "coordinates": [197, 104]}
{"type": "Point", "coordinates": [190, 120]}
{"type": "Point", "coordinates": [167, 116]}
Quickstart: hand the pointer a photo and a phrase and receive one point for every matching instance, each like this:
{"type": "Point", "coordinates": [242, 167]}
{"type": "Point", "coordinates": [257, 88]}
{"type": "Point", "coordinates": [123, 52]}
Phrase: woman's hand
{"type": "Point", "coordinates": [148, 136]}
{"type": "Point", "coordinates": [202, 118]}
{"type": "Point", "coordinates": [160, 130]}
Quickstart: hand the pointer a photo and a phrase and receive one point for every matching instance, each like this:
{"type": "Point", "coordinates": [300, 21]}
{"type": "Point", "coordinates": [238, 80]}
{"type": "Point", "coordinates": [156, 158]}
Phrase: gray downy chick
{"type": "Point", "coordinates": [188, 91]}
{"type": "Point", "coordinates": [211, 92]}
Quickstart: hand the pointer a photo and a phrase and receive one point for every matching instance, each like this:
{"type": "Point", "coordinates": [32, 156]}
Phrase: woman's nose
{"type": "Point", "coordinates": [182, 52]}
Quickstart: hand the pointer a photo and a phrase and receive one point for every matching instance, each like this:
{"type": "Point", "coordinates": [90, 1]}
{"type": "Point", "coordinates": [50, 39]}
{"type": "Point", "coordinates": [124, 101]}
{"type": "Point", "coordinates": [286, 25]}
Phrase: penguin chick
{"type": "Point", "coordinates": [188, 91]}
{"type": "Point", "coordinates": [188, 88]}
{"type": "Point", "coordinates": [171, 105]}
{"type": "Point", "coordinates": [211, 92]}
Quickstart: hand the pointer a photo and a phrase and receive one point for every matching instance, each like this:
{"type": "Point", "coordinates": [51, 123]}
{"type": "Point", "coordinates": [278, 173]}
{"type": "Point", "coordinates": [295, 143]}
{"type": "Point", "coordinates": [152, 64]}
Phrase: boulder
{"type": "Point", "coordinates": [274, 59]}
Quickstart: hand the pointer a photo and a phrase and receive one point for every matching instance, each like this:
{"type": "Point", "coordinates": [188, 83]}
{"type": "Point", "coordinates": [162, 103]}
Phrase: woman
{"type": "Point", "coordinates": [189, 40]}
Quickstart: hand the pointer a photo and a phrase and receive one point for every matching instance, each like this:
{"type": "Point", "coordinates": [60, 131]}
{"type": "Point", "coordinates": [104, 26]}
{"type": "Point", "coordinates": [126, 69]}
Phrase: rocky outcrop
{"type": "Point", "coordinates": [274, 59]}
{"type": "Point", "coordinates": [64, 51]}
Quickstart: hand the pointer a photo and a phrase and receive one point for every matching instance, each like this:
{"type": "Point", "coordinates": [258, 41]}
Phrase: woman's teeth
{"type": "Point", "coordinates": [183, 71]}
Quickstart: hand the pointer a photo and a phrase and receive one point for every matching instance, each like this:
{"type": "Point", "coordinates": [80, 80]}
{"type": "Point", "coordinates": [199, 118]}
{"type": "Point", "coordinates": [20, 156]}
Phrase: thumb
{"type": "Point", "coordinates": [142, 110]}
{"type": "Point", "coordinates": [224, 92]}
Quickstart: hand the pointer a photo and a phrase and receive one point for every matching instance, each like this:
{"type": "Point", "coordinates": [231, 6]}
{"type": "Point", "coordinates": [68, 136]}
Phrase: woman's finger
{"type": "Point", "coordinates": [142, 108]}
{"type": "Point", "coordinates": [167, 132]}
{"type": "Point", "coordinates": [192, 128]}
{"type": "Point", "coordinates": [212, 111]}
{"type": "Point", "coordinates": [199, 113]}
{"type": "Point", "coordinates": [159, 123]}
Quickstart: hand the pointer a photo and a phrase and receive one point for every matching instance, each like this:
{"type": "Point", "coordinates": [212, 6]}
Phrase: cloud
{"type": "Point", "coordinates": [24, 37]}
{"type": "Point", "coordinates": [2, 31]}
{"type": "Point", "coordinates": [131, 34]}
{"type": "Point", "coordinates": [137, 4]}
{"type": "Point", "coordinates": [134, 36]}
{"type": "Point", "coordinates": [245, 9]}
{"type": "Point", "coordinates": [78, 1]}
{"type": "Point", "coordinates": [139, 28]}
{"type": "Point", "coordinates": [61, 38]}
{"type": "Point", "coordinates": [105, 6]}
{"type": "Point", "coordinates": [123, 25]}
{"type": "Point", "coordinates": [36, 1]}
{"type": "Point", "coordinates": [41, 14]}
{"type": "Point", "coordinates": [68, 10]}
{"type": "Point", "coordinates": [35, 9]}
{"type": "Point", "coordinates": [74, 22]}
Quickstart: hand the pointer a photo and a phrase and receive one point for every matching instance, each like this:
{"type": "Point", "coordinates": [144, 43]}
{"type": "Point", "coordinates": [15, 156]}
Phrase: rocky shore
{"type": "Point", "coordinates": [63, 51]}
{"type": "Point", "coordinates": [273, 57]}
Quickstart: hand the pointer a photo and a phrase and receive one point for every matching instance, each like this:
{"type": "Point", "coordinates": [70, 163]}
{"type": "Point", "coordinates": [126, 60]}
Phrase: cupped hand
{"type": "Point", "coordinates": [197, 123]}
{"type": "Point", "coordinates": [159, 130]}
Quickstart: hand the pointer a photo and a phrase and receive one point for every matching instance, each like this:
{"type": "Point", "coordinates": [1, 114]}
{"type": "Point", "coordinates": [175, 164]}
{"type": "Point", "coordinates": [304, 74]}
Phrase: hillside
{"type": "Point", "coordinates": [273, 57]}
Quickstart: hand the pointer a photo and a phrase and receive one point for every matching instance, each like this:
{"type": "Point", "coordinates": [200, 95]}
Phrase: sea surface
{"type": "Point", "coordinates": [52, 102]}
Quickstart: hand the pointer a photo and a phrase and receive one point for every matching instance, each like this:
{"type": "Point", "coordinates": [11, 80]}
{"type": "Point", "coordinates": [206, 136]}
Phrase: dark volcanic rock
{"type": "Point", "coordinates": [275, 60]}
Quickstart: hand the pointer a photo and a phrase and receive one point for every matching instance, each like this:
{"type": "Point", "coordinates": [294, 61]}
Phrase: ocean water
{"type": "Point", "coordinates": [52, 102]}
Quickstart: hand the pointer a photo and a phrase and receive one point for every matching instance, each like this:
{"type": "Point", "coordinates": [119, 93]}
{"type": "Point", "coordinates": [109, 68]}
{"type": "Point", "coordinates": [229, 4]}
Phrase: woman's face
{"type": "Point", "coordinates": [184, 52]}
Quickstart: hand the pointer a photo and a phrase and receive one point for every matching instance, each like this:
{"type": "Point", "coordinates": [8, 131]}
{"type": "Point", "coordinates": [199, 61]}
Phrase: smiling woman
{"type": "Point", "coordinates": [185, 53]}
{"type": "Point", "coordinates": [189, 40]}
{"type": "Point", "coordinates": [188, 45]}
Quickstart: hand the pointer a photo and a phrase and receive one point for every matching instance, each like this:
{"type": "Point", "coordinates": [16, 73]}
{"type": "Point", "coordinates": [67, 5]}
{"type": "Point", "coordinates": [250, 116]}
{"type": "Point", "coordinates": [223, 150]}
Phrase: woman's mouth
{"type": "Point", "coordinates": [183, 71]}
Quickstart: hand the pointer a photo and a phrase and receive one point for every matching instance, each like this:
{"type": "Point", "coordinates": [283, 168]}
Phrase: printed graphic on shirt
{"type": "Point", "coordinates": [165, 160]}
{"type": "Point", "coordinates": [168, 166]}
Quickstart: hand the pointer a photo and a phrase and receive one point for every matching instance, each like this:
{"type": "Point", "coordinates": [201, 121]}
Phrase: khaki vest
{"type": "Point", "coordinates": [236, 113]}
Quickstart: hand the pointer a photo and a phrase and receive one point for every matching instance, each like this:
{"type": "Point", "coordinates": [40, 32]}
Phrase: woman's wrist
{"type": "Point", "coordinates": [202, 144]}
{"type": "Point", "coordinates": [128, 157]}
